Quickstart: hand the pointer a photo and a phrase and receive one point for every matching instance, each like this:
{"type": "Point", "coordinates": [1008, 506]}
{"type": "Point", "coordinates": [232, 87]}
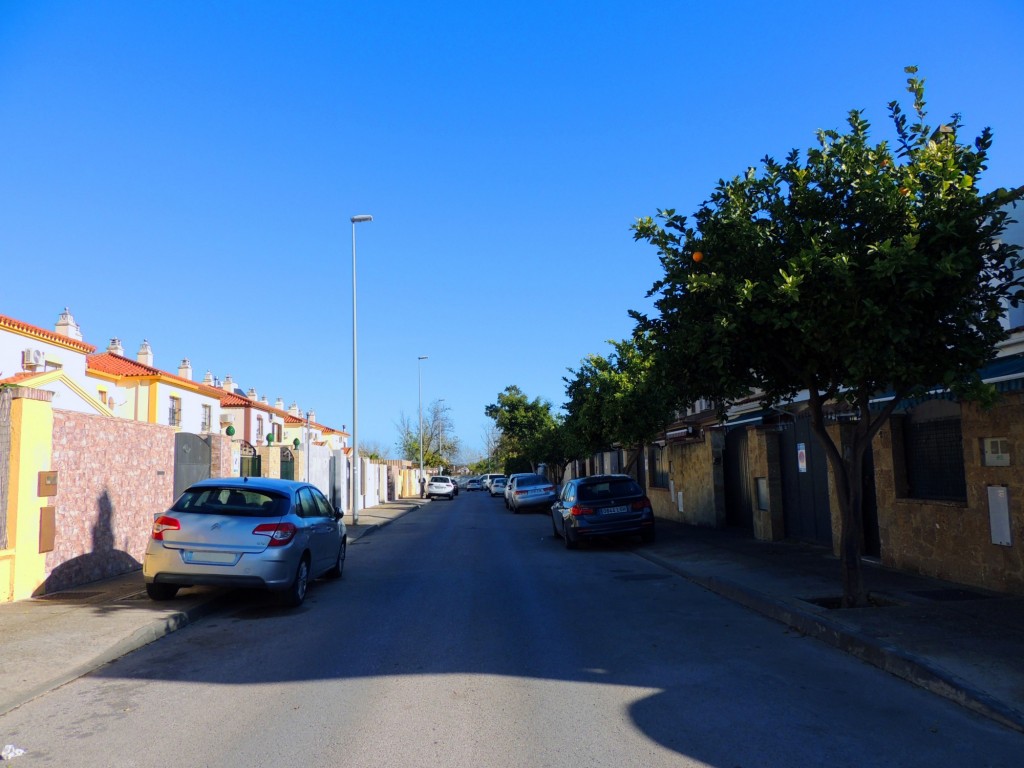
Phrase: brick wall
{"type": "Point", "coordinates": [221, 462]}
{"type": "Point", "coordinates": [112, 476]}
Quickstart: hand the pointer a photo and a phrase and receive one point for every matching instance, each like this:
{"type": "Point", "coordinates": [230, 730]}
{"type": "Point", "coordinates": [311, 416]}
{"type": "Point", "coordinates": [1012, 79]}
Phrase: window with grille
{"type": "Point", "coordinates": [174, 418]}
{"type": "Point", "coordinates": [207, 419]}
{"type": "Point", "coordinates": [657, 463]}
{"type": "Point", "coordinates": [933, 452]}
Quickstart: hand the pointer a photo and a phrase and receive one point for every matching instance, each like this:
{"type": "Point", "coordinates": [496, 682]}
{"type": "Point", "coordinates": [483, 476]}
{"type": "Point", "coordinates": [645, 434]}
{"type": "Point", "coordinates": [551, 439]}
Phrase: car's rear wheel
{"type": "Point", "coordinates": [339, 564]}
{"type": "Point", "coordinates": [296, 593]}
{"type": "Point", "coordinates": [161, 591]}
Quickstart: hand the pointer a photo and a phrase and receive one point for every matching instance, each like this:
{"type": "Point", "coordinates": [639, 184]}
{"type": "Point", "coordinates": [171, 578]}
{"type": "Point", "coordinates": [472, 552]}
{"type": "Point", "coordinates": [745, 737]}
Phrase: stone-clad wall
{"type": "Point", "coordinates": [953, 540]}
{"type": "Point", "coordinates": [112, 476]}
{"type": "Point", "coordinates": [696, 471]}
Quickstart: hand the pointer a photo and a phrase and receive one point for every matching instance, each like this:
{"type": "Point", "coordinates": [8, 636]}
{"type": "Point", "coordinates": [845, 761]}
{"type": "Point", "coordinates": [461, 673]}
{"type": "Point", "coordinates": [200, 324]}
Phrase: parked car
{"type": "Point", "coordinates": [441, 485]}
{"type": "Point", "coordinates": [245, 532]}
{"type": "Point", "coordinates": [474, 484]}
{"type": "Point", "coordinates": [485, 480]}
{"type": "Point", "coordinates": [455, 485]}
{"type": "Point", "coordinates": [603, 505]}
{"type": "Point", "coordinates": [528, 492]}
{"type": "Point", "coordinates": [497, 487]}
{"type": "Point", "coordinates": [508, 487]}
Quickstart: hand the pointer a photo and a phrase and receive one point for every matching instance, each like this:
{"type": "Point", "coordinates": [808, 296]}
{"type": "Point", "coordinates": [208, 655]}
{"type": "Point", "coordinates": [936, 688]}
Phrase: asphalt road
{"type": "Point", "coordinates": [465, 636]}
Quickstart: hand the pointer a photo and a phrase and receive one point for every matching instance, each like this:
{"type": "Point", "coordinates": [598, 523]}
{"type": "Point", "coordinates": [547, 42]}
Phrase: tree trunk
{"type": "Point", "coordinates": [847, 470]}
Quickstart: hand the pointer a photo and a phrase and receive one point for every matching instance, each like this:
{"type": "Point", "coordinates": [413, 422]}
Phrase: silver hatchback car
{"type": "Point", "coordinates": [246, 532]}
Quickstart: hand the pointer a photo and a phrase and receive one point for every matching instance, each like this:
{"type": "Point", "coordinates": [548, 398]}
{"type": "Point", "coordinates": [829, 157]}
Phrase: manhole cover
{"type": "Point", "coordinates": [68, 596]}
{"type": "Point", "coordinates": [950, 594]}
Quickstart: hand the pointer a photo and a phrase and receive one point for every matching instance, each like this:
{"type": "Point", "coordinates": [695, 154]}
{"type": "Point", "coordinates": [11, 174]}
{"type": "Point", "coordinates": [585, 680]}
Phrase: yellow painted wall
{"type": "Point", "coordinates": [31, 451]}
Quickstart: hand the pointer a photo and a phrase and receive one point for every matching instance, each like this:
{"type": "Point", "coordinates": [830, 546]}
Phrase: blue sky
{"type": "Point", "coordinates": [184, 172]}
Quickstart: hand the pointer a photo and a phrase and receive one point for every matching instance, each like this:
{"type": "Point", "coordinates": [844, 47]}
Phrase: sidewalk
{"type": "Point", "coordinates": [49, 641]}
{"type": "Point", "coordinates": [957, 641]}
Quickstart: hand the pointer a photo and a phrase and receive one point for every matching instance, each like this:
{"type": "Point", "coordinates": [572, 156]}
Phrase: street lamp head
{"type": "Point", "coordinates": [422, 357]}
{"type": "Point", "coordinates": [361, 218]}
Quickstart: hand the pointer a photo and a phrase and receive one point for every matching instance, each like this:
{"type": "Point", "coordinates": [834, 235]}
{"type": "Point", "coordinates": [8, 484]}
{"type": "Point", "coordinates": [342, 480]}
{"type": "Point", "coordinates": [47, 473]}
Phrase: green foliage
{"type": "Point", "coordinates": [526, 427]}
{"type": "Point", "coordinates": [852, 270]}
{"type": "Point", "coordinates": [619, 399]}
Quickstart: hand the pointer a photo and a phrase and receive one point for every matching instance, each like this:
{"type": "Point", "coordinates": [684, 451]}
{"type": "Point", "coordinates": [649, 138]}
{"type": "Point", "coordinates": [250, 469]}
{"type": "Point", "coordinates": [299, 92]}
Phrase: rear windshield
{"type": "Point", "coordinates": [609, 489]}
{"type": "Point", "coordinates": [231, 501]}
{"type": "Point", "coordinates": [440, 480]}
{"type": "Point", "coordinates": [531, 480]}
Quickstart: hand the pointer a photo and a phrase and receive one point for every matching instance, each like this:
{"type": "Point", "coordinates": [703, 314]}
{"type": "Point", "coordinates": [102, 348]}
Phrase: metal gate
{"type": "Point", "coordinates": [287, 463]}
{"type": "Point", "coordinates": [249, 461]}
{"type": "Point", "coordinates": [191, 461]}
{"type": "Point", "coordinates": [739, 501]}
{"type": "Point", "coordinates": [804, 468]}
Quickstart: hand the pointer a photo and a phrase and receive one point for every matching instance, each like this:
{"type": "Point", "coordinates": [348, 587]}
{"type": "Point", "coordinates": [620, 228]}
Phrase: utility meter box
{"type": "Point", "coordinates": [999, 514]}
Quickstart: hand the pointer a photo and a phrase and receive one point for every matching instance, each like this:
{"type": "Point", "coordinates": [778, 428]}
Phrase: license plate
{"type": "Point", "coordinates": [211, 558]}
{"type": "Point", "coordinates": [621, 510]}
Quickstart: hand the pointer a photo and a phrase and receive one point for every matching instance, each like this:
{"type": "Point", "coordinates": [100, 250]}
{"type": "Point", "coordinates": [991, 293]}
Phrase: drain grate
{"type": "Point", "coordinates": [69, 596]}
{"type": "Point", "coordinates": [950, 594]}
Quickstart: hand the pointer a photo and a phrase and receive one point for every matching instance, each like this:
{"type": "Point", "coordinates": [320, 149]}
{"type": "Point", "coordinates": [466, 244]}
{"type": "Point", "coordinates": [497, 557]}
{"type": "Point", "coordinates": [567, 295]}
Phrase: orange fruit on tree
{"type": "Point", "coordinates": [698, 256]}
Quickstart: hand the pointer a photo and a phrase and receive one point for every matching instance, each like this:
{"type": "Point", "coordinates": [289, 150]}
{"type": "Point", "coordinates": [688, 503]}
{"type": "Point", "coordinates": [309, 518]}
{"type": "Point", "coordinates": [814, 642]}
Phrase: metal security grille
{"type": "Point", "coordinates": [657, 460]}
{"type": "Point", "coordinates": [935, 460]}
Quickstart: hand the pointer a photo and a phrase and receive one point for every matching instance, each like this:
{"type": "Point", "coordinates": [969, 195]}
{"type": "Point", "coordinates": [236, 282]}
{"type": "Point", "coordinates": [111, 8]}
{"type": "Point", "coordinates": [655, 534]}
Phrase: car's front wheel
{"type": "Point", "coordinates": [296, 593]}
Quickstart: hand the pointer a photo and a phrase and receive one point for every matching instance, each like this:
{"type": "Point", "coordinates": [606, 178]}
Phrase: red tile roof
{"type": "Point", "coordinates": [50, 336]}
{"type": "Point", "coordinates": [20, 377]}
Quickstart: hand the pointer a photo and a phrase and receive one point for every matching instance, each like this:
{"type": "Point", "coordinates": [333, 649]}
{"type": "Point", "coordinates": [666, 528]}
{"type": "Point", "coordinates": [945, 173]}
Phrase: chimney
{"type": "Point", "coordinates": [208, 379]}
{"type": "Point", "coordinates": [66, 326]}
{"type": "Point", "coordinates": [185, 369]}
{"type": "Point", "coordinates": [228, 385]}
{"type": "Point", "coordinates": [264, 400]}
{"type": "Point", "coordinates": [279, 404]}
{"type": "Point", "coordinates": [312, 415]}
{"type": "Point", "coordinates": [293, 409]}
{"type": "Point", "coordinates": [115, 348]}
{"type": "Point", "coordinates": [251, 394]}
{"type": "Point", "coordinates": [145, 355]}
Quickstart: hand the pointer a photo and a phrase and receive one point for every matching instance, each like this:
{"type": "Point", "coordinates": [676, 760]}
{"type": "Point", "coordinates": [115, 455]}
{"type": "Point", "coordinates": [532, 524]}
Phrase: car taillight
{"type": "Point", "coordinates": [643, 503]}
{"type": "Point", "coordinates": [576, 510]}
{"type": "Point", "coordinates": [279, 533]}
{"type": "Point", "coordinates": [164, 523]}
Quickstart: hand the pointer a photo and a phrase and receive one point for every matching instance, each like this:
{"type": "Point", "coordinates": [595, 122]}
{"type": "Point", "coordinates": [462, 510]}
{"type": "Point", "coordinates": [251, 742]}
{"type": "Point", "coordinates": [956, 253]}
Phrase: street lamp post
{"type": "Point", "coordinates": [355, 378]}
{"type": "Point", "coordinates": [419, 375]}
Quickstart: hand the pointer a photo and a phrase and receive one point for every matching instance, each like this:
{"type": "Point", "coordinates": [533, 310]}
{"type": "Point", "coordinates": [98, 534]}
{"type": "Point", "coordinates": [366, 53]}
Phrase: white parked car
{"type": "Point", "coordinates": [440, 485]}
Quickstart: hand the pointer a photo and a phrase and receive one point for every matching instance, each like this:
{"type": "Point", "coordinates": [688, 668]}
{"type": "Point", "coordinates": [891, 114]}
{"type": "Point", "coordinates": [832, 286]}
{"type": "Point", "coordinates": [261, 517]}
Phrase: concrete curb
{"type": "Point", "coordinates": [886, 657]}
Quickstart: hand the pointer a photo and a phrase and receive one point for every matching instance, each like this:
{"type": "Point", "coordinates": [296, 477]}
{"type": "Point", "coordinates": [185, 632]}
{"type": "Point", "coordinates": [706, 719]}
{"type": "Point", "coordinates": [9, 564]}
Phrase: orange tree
{"type": "Point", "coordinates": [854, 269]}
